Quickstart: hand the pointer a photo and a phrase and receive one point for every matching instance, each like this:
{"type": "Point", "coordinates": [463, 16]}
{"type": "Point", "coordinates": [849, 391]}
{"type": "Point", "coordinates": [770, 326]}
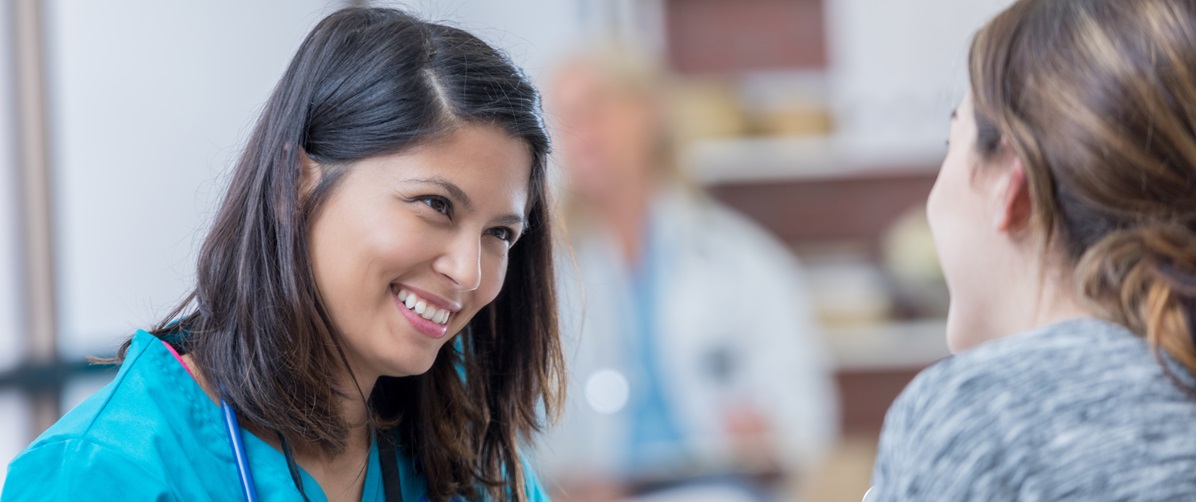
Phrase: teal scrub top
{"type": "Point", "coordinates": [153, 434]}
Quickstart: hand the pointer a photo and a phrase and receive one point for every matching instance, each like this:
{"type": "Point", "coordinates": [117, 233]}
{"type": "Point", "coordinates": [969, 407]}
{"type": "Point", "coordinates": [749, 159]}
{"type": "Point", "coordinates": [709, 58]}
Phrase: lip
{"type": "Point", "coordinates": [431, 298]}
{"type": "Point", "coordinates": [429, 328]}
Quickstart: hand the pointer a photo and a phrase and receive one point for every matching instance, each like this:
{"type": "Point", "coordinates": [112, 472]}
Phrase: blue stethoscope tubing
{"type": "Point", "coordinates": [242, 459]}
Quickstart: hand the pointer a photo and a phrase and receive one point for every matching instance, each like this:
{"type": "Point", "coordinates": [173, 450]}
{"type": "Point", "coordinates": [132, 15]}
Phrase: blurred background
{"type": "Point", "coordinates": [822, 121]}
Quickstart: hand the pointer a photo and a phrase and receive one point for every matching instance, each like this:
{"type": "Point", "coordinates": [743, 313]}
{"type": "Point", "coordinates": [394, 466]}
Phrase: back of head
{"type": "Point", "coordinates": [1098, 100]}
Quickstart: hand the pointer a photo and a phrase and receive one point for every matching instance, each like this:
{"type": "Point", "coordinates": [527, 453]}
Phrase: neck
{"type": "Point", "coordinates": [1031, 292]}
{"type": "Point", "coordinates": [1060, 303]}
{"type": "Point", "coordinates": [354, 406]}
{"type": "Point", "coordinates": [1046, 296]}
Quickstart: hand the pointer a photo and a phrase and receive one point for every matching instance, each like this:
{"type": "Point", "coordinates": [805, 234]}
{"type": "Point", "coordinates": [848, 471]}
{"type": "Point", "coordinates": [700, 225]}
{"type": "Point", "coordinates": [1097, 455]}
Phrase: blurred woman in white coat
{"type": "Point", "coordinates": [696, 365]}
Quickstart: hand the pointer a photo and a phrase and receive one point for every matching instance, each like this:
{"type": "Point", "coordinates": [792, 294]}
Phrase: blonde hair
{"type": "Point", "coordinates": [1097, 98]}
{"type": "Point", "coordinates": [634, 71]}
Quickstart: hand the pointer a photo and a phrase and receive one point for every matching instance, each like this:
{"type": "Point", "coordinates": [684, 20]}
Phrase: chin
{"type": "Point", "coordinates": [960, 335]}
{"type": "Point", "coordinates": [411, 366]}
{"type": "Point", "coordinates": [956, 344]}
{"type": "Point", "coordinates": [422, 367]}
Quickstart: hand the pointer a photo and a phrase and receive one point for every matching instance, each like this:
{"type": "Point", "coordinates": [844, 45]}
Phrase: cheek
{"type": "Point", "coordinates": [934, 203]}
{"type": "Point", "coordinates": [938, 207]}
{"type": "Point", "coordinates": [355, 255]}
{"type": "Point", "coordinates": [949, 218]}
{"type": "Point", "coordinates": [495, 275]}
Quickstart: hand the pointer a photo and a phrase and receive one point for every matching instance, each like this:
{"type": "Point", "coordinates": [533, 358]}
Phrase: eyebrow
{"type": "Point", "coordinates": [456, 192]}
{"type": "Point", "coordinates": [512, 220]}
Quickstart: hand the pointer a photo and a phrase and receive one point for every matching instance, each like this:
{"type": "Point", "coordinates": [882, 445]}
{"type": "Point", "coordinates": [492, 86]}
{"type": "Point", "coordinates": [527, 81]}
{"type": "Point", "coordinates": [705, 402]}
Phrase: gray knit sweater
{"type": "Point", "coordinates": [1079, 410]}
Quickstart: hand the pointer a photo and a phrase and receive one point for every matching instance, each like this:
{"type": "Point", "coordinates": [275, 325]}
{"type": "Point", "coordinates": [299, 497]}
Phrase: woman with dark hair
{"type": "Point", "coordinates": [374, 314]}
{"type": "Point", "coordinates": [1065, 217]}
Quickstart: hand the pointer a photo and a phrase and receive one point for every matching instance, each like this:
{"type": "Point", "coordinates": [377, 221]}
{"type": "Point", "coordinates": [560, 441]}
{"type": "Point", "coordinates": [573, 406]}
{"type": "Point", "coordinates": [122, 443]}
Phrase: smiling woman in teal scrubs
{"type": "Point", "coordinates": [374, 315]}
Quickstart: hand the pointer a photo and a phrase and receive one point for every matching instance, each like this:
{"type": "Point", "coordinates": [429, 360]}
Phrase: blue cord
{"type": "Point", "coordinates": [234, 439]}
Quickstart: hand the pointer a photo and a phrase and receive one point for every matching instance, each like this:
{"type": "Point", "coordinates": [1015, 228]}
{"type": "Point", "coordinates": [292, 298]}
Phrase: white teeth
{"type": "Point", "coordinates": [421, 307]}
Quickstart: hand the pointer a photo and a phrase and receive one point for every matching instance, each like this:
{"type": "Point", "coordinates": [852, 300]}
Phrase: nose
{"type": "Point", "coordinates": [461, 262]}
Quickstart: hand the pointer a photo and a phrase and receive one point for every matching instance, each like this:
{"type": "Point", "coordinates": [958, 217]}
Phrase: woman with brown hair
{"type": "Point", "coordinates": [1065, 218]}
{"type": "Point", "coordinates": [374, 315]}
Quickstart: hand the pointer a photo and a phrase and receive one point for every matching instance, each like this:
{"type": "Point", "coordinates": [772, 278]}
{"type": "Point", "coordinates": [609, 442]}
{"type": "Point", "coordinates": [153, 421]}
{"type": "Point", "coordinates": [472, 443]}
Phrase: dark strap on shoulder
{"type": "Point", "coordinates": [388, 458]}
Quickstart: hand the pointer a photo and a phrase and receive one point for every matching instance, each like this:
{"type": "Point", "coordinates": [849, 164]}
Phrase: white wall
{"type": "Point", "coordinates": [898, 68]}
{"type": "Point", "coordinates": [150, 104]}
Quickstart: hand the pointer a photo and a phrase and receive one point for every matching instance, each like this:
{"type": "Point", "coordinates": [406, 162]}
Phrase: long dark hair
{"type": "Point", "coordinates": [1098, 100]}
{"type": "Point", "coordinates": [369, 82]}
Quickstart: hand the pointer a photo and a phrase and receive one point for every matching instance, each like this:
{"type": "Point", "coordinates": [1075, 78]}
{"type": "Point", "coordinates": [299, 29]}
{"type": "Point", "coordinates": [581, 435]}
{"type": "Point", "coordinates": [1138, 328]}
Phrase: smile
{"type": "Point", "coordinates": [422, 308]}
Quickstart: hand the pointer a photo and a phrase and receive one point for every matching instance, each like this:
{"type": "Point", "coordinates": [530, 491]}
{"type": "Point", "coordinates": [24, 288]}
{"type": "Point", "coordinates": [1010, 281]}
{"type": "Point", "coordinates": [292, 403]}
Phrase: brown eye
{"type": "Point", "coordinates": [503, 233]}
{"type": "Point", "coordinates": [438, 204]}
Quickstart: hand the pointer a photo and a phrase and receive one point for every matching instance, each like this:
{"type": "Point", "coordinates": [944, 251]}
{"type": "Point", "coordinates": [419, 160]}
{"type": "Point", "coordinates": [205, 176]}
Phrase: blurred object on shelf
{"type": "Point", "coordinates": [847, 289]}
{"type": "Point", "coordinates": [908, 254]}
{"type": "Point", "coordinates": [786, 104]}
{"type": "Point", "coordinates": [711, 109]}
{"type": "Point", "coordinates": [705, 109]}
{"type": "Point", "coordinates": [795, 119]}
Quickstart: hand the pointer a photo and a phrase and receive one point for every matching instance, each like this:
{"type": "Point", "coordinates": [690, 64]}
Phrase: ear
{"type": "Point", "coordinates": [309, 175]}
{"type": "Point", "coordinates": [1013, 198]}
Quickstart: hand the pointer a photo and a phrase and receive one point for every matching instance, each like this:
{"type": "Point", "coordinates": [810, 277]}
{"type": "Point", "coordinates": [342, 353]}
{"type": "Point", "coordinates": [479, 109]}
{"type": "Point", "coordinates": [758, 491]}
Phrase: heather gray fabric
{"type": "Point", "coordinates": [1079, 410]}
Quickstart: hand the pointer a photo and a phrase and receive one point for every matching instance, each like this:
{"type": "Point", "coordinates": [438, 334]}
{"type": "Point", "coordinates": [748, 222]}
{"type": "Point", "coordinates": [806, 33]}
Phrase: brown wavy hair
{"type": "Point", "coordinates": [1098, 100]}
{"type": "Point", "coordinates": [368, 82]}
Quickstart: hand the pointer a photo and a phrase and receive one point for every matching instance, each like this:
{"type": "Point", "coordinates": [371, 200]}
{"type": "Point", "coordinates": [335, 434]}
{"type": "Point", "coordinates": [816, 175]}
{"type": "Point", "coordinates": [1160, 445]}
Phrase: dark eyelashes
{"type": "Point", "coordinates": [444, 206]}
{"type": "Point", "coordinates": [509, 234]}
{"type": "Point", "coordinates": [437, 203]}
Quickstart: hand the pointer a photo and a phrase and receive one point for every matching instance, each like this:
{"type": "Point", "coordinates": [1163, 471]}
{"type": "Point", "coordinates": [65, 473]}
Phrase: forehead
{"type": "Point", "coordinates": [490, 166]}
{"type": "Point", "coordinates": [965, 104]}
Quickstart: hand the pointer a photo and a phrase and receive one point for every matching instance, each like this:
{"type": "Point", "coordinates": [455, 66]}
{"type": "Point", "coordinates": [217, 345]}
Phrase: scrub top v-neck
{"type": "Point", "coordinates": [153, 434]}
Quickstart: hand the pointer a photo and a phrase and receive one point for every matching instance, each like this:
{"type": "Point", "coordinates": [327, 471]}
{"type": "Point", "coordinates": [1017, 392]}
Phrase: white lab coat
{"type": "Point", "coordinates": [726, 291]}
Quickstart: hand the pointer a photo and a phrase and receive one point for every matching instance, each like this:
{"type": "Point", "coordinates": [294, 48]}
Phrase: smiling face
{"type": "Point", "coordinates": [430, 227]}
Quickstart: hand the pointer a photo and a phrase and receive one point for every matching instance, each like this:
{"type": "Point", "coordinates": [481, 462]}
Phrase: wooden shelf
{"type": "Point", "coordinates": [817, 158]}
